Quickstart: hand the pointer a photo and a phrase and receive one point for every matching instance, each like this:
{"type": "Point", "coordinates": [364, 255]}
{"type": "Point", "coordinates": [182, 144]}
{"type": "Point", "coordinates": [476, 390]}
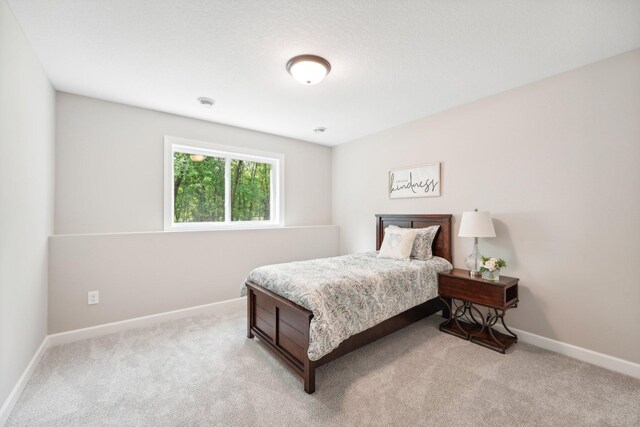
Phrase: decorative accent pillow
{"type": "Point", "coordinates": [397, 243]}
{"type": "Point", "coordinates": [423, 242]}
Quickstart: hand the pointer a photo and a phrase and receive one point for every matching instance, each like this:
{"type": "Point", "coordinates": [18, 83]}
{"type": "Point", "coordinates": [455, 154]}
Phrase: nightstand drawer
{"type": "Point", "coordinates": [481, 293]}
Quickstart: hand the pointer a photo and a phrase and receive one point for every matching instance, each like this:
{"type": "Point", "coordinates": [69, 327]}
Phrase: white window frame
{"type": "Point", "coordinates": [174, 144]}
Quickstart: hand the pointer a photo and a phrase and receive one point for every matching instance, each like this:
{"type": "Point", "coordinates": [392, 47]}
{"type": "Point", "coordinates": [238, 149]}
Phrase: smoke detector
{"type": "Point", "coordinates": [206, 102]}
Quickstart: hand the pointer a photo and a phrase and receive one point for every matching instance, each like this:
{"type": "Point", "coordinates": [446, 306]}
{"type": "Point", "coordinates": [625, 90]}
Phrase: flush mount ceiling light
{"type": "Point", "coordinates": [206, 102]}
{"type": "Point", "coordinates": [197, 157]}
{"type": "Point", "coordinates": [308, 69]}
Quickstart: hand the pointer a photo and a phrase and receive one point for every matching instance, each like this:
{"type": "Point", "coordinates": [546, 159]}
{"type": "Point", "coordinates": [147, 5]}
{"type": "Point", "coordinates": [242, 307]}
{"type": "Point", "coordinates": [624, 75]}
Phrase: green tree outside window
{"type": "Point", "coordinates": [199, 189]}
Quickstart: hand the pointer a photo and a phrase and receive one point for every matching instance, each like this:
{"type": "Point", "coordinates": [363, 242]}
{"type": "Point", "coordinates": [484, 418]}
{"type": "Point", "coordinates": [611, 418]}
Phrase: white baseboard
{"type": "Point", "coordinates": [593, 357]}
{"type": "Point", "coordinates": [10, 402]}
{"type": "Point", "coordinates": [140, 322]}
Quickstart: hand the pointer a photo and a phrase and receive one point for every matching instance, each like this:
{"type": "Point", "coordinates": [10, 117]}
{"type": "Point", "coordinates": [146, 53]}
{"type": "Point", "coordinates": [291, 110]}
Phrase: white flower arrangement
{"type": "Point", "coordinates": [491, 264]}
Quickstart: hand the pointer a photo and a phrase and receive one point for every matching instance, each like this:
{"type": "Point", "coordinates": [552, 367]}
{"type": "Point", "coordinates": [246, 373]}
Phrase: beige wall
{"type": "Point", "coordinates": [109, 166]}
{"type": "Point", "coordinates": [140, 274]}
{"type": "Point", "coordinates": [557, 164]}
{"type": "Point", "coordinates": [109, 179]}
{"type": "Point", "coordinates": [26, 200]}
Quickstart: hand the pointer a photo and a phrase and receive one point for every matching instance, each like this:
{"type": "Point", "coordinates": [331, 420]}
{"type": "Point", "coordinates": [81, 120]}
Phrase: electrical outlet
{"type": "Point", "coordinates": [93, 297]}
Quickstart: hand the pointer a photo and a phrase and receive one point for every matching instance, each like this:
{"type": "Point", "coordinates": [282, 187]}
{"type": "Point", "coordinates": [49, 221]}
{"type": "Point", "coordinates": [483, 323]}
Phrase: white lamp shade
{"type": "Point", "coordinates": [476, 224]}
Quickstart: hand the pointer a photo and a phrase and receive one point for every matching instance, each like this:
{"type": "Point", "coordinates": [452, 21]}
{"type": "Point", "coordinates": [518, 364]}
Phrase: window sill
{"type": "Point", "coordinates": [211, 227]}
{"type": "Point", "coordinates": [161, 232]}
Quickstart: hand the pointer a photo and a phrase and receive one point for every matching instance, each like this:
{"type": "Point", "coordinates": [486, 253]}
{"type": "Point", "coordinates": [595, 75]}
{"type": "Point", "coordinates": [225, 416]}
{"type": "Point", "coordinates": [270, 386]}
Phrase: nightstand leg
{"type": "Point", "coordinates": [451, 325]}
{"type": "Point", "coordinates": [449, 309]}
{"type": "Point", "coordinates": [460, 311]}
{"type": "Point", "coordinates": [491, 321]}
{"type": "Point", "coordinates": [465, 321]}
{"type": "Point", "coordinates": [471, 306]}
{"type": "Point", "coordinates": [507, 329]}
{"type": "Point", "coordinates": [492, 341]}
{"type": "Point", "coordinates": [446, 312]}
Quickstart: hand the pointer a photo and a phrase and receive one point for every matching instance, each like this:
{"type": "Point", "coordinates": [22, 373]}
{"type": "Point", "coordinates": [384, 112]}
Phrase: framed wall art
{"type": "Point", "coordinates": [415, 181]}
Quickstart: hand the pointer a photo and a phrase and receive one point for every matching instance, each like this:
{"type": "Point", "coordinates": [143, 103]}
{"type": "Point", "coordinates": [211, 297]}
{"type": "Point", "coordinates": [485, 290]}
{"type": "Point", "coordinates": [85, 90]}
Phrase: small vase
{"type": "Point", "coordinates": [492, 276]}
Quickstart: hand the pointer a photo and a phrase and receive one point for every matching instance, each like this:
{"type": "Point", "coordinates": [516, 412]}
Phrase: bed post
{"type": "Point", "coordinates": [309, 376]}
{"type": "Point", "coordinates": [250, 312]}
{"type": "Point", "coordinates": [309, 368]}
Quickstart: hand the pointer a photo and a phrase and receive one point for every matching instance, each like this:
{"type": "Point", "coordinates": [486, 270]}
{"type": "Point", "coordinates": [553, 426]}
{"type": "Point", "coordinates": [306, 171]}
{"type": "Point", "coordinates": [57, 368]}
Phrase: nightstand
{"type": "Point", "coordinates": [463, 293]}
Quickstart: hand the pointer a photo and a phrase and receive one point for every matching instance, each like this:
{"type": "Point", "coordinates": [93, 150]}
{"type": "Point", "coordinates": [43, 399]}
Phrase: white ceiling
{"type": "Point", "coordinates": [392, 61]}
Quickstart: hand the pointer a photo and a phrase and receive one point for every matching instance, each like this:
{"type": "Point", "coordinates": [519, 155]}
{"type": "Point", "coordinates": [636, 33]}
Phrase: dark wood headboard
{"type": "Point", "coordinates": [442, 242]}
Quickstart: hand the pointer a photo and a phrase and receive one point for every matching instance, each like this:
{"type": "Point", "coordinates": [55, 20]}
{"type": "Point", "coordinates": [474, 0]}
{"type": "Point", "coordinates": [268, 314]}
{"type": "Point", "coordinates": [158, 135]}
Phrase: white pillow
{"type": "Point", "coordinates": [397, 243]}
{"type": "Point", "coordinates": [424, 241]}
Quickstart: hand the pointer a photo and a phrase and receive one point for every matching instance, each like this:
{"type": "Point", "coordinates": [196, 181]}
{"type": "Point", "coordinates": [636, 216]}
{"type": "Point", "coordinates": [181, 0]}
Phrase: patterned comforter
{"type": "Point", "coordinates": [349, 294]}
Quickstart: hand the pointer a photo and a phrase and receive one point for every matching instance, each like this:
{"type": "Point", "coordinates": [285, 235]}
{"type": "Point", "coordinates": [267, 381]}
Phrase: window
{"type": "Point", "coordinates": [214, 186]}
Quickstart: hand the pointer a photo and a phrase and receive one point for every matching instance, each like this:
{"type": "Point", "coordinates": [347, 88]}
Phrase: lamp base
{"type": "Point", "coordinates": [474, 261]}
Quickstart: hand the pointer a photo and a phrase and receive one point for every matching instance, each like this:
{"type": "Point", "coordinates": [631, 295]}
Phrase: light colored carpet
{"type": "Point", "coordinates": [204, 371]}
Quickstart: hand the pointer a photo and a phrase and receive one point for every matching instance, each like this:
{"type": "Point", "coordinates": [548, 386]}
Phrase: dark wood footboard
{"type": "Point", "coordinates": [284, 327]}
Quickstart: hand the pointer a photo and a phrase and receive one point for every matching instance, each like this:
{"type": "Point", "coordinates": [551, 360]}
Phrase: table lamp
{"type": "Point", "coordinates": [475, 224]}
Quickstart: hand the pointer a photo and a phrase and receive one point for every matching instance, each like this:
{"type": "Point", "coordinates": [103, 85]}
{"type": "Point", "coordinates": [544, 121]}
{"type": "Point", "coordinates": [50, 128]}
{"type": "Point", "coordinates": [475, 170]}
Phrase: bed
{"type": "Point", "coordinates": [285, 326]}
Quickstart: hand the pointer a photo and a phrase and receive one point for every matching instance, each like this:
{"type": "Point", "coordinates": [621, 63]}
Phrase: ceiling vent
{"type": "Point", "coordinates": [206, 102]}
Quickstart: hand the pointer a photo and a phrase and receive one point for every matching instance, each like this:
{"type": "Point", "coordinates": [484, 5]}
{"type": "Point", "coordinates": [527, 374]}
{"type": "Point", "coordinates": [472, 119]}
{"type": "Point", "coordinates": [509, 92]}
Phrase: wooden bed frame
{"type": "Point", "coordinates": [284, 326]}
